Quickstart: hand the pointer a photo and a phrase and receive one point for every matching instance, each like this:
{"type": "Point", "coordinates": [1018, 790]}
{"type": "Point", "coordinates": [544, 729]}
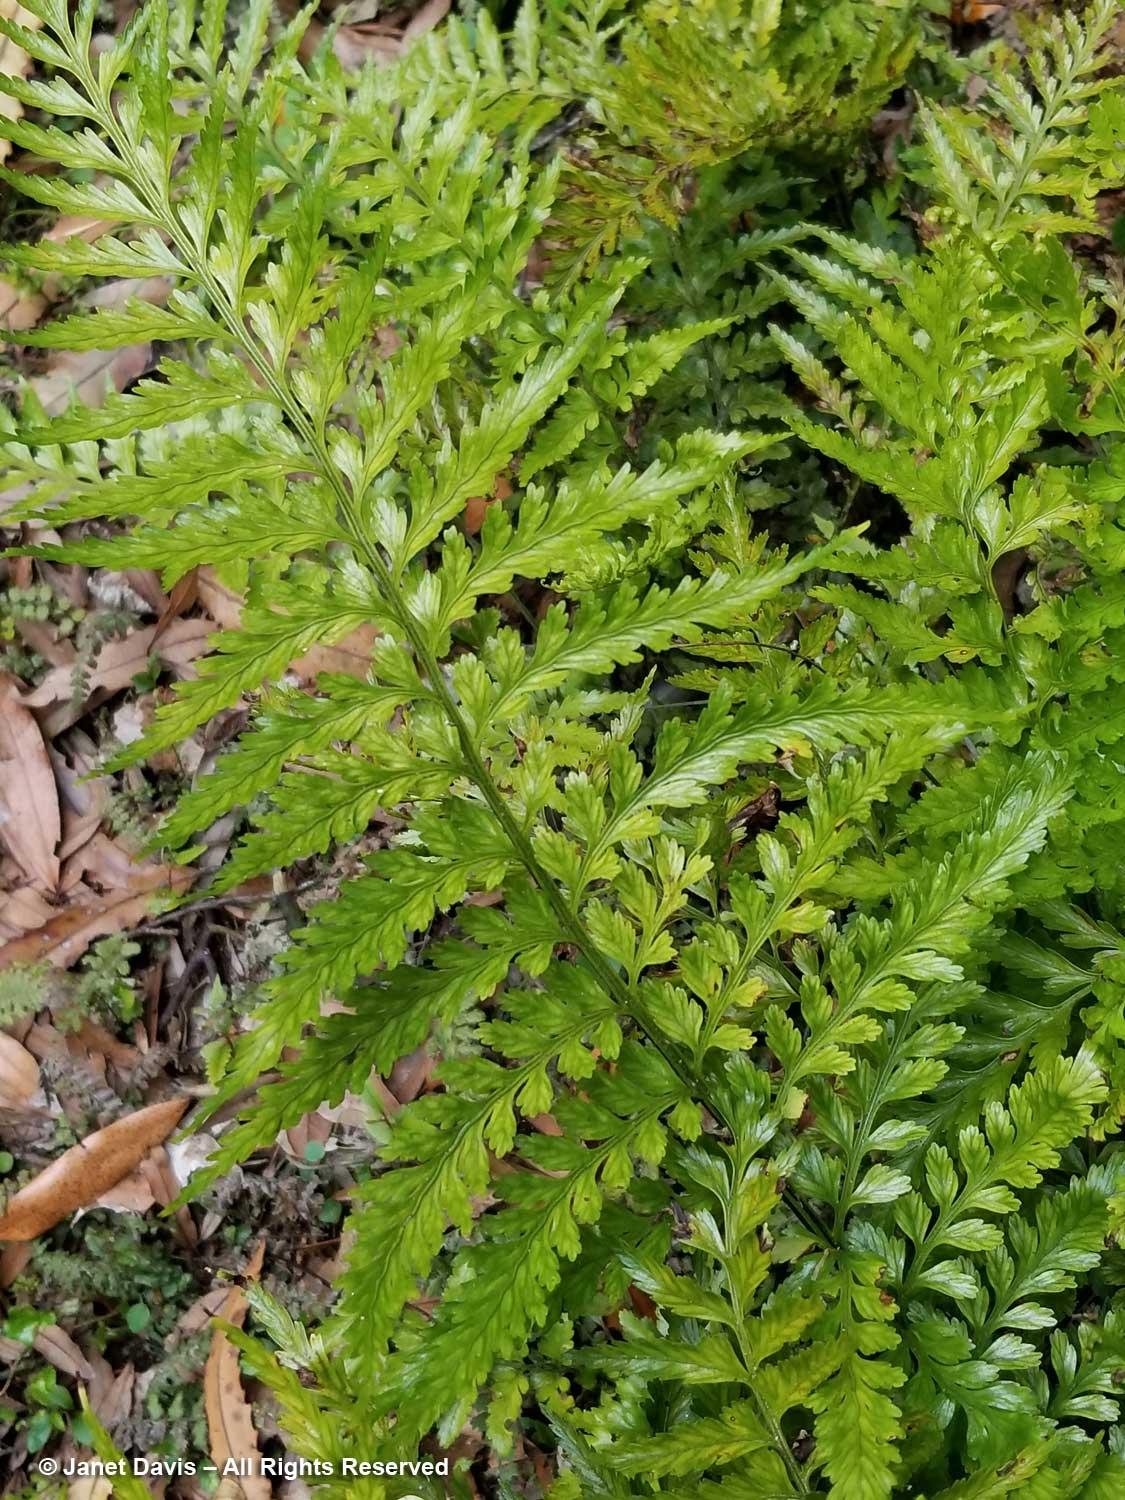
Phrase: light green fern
{"type": "Point", "coordinates": [789, 1013]}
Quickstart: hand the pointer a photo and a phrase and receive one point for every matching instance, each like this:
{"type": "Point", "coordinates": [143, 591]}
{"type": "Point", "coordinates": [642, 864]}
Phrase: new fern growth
{"type": "Point", "coordinates": [825, 1097]}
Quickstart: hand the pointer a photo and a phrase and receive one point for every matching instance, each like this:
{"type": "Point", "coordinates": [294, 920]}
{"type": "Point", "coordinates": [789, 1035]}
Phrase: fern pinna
{"type": "Point", "coordinates": [783, 1141]}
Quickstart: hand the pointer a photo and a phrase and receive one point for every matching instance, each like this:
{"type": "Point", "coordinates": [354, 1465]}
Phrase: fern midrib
{"type": "Point", "coordinates": [858, 1146]}
{"type": "Point", "coordinates": [762, 1407]}
{"type": "Point", "coordinates": [874, 1103]}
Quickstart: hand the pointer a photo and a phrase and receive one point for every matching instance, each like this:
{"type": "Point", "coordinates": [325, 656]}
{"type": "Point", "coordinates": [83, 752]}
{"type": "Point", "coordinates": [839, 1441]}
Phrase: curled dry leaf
{"type": "Point", "coordinates": [56, 1346]}
{"type": "Point", "coordinates": [90, 1045]}
{"type": "Point", "coordinates": [81, 801]}
{"type": "Point", "coordinates": [114, 668]}
{"type": "Point", "coordinates": [314, 1129]}
{"type": "Point", "coordinates": [221, 602]}
{"type": "Point", "coordinates": [13, 1262]}
{"type": "Point", "coordinates": [424, 19]}
{"type": "Point", "coordinates": [110, 1392]}
{"type": "Point", "coordinates": [229, 1419]}
{"type": "Point", "coordinates": [32, 823]}
{"type": "Point", "coordinates": [59, 1349]}
{"type": "Point", "coordinates": [19, 1073]}
{"type": "Point", "coordinates": [184, 593]}
{"type": "Point", "coordinates": [24, 909]}
{"type": "Point", "coordinates": [90, 1037]}
{"type": "Point", "coordinates": [355, 45]}
{"type": "Point", "coordinates": [42, 638]}
{"type": "Point", "coordinates": [87, 1170]}
{"type": "Point", "coordinates": [198, 1315]}
{"type": "Point", "coordinates": [410, 1074]}
{"type": "Point", "coordinates": [63, 940]}
{"type": "Point", "coordinates": [152, 1183]}
{"type": "Point", "coordinates": [132, 1195]}
{"type": "Point", "coordinates": [351, 656]}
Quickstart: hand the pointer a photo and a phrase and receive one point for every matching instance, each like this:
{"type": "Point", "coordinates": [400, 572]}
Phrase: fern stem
{"type": "Point", "coordinates": [857, 1147]}
{"type": "Point", "coordinates": [614, 986]}
{"type": "Point", "coordinates": [745, 1349]}
{"type": "Point", "coordinates": [761, 1407]}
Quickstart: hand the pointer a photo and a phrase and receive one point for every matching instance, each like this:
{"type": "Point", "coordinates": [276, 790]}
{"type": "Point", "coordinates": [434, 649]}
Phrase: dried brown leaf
{"type": "Point", "coordinates": [88, 374]}
{"type": "Point", "coordinates": [79, 1176]}
{"type": "Point", "coordinates": [424, 19]}
{"type": "Point", "coordinates": [185, 591]}
{"type": "Point", "coordinates": [13, 1262]}
{"type": "Point", "coordinates": [32, 823]}
{"type": "Point", "coordinates": [78, 226]}
{"type": "Point", "coordinates": [114, 668]}
{"type": "Point", "coordinates": [230, 1422]}
{"type": "Point", "coordinates": [164, 1186]}
{"type": "Point", "coordinates": [356, 44]}
{"type": "Point", "coordinates": [351, 655]}
{"type": "Point", "coordinates": [90, 1045]}
{"type": "Point", "coordinates": [110, 1392]}
{"type": "Point", "coordinates": [59, 1349]}
{"type": "Point", "coordinates": [23, 909]}
{"type": "Point", "coordinates": [107, 863]}
{"type": "Point", "coordinates": [477, 506]}
{"type": "Point", "coordinates": [44, 639]}
{"type": "Point", "coordinates": [221, 602]}
{"type": "Point", "coordinates": [198, 1315]}
{"type": "Point", "coordinates": [145, 583]}
{"type": "Point", "coordinates": [19, 309]}
{"type": "Point", "coordinates": [132, 1195]}
{"type": "Point", "coordinates": [19, 1073]}
{"type": "Point", "coordinates": [410, 1075]}
{"type": "Point", "coordinates": [65, 938]}
{"type": "Point", "coordinates": [313, 1129]}
{"type": "Point", "coordinates": [83, 806]}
